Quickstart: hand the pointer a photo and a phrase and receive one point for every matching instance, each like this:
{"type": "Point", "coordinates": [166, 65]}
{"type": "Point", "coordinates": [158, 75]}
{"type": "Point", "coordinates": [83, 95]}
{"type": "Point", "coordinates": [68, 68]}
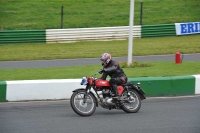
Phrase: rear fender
{"type": "Point", "coordinates": [139, 91]}
{"type": "Point", "coordinates": [80, 89]}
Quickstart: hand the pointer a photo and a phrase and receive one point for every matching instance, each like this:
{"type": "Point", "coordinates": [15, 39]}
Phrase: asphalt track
{"type": "Point", "coordinates": [157, 115]}
{"type": "Point", "coordinates": [90, 61]}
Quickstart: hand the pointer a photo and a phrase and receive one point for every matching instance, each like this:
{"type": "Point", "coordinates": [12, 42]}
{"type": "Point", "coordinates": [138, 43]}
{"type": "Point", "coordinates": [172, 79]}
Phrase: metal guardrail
{"type": "Point", "coordinates": [85, 34]}
{"type": "Point", "coordinates": [158, 30]}
{"type": "Point", "coordinates": [22, 36]}
{"type": "Point", "coordinates": [90, 34]}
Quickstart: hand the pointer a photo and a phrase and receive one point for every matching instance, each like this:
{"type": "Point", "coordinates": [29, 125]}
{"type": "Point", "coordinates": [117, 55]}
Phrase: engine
{"type": "Point", "coordinates": [106, 93]}
{"type": "Point", "coordinates": [106, 99]}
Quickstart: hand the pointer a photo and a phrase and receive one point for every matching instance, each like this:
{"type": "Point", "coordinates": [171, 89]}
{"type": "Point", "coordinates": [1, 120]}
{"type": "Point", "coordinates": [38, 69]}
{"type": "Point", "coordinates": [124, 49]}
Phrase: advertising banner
{"type": "Point", "coordinates": [187, 28]}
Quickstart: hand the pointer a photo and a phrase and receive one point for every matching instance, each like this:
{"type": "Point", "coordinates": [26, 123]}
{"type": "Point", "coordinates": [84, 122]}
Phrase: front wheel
{"type": "Point", "coordinates": [81, 104]}
{"type": "Point", "coordinates": [133, 102]}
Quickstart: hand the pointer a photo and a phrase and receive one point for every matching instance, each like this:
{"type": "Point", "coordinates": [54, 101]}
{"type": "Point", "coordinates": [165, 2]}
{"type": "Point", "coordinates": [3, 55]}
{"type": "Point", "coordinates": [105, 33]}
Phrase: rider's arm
{"type": "Point", "coordinates": [112, 68]}
{"type": "Point", "coordinates": [104, 76]}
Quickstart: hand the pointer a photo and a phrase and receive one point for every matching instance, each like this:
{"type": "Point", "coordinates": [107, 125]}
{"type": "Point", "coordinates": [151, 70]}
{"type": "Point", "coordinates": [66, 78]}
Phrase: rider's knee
{"type": "Point", "coordinates": [112, 80]}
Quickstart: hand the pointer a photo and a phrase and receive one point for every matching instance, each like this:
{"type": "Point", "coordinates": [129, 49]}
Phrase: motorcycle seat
{"type": "Point", "coordinates": [127, 83]}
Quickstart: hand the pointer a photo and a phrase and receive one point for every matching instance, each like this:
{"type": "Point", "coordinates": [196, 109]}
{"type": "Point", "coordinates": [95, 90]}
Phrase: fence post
{"type": "Point", "coordinates": [61, 25]}
{"type": "Point", "coordinates": [141, 8]}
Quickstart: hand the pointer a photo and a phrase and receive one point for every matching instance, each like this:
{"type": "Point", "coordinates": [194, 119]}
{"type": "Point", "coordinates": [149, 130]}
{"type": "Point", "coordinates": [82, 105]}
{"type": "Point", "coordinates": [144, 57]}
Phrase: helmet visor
{"type": "Point", "coordinates": [103, 62]}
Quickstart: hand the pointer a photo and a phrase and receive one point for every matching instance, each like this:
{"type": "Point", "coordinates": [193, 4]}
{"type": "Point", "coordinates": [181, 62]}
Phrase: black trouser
{"type": "Point", "coordinates": [117, 81]}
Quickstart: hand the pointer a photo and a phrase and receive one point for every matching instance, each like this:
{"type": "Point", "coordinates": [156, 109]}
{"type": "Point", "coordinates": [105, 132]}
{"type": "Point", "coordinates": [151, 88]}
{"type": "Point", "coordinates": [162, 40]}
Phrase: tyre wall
{"type": "Point", "coordinates": [27, 90]}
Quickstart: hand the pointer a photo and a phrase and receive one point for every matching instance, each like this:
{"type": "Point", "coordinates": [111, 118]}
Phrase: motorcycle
{"type": "Point", "coordinates": [99, 92]}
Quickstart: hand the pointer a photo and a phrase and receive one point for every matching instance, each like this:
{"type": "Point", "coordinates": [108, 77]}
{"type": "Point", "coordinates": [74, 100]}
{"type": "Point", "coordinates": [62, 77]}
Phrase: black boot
{"type": "Point", "coordinates": [116, 96]}
{"type": "Point", "coordinates": [114, 88]}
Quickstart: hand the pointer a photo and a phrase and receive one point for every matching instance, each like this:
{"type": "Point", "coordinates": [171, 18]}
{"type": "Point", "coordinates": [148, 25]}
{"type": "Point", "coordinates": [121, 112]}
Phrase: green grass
{"type": "Point", "coordinates": [146, 46]}
{"type": "Point", "coordinates": [156, 69]}
{"type": "Point", "coordinates": [45, 14]}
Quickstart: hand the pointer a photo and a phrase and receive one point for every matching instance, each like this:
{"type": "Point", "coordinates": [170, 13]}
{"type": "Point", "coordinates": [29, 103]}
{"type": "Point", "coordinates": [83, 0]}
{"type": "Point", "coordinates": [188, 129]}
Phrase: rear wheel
{"type": "Point", "coordinates": [83, 107]}
{"type": "Point", "coordinates": [133, 102]}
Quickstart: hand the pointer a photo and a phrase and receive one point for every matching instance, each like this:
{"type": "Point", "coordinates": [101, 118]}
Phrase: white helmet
{"type": "Point", "coordinates": [105, 59]}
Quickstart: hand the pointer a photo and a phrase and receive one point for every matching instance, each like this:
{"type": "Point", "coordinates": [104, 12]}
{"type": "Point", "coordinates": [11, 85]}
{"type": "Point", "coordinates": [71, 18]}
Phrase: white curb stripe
{"type": "Point", "coordinates": [197, 84]}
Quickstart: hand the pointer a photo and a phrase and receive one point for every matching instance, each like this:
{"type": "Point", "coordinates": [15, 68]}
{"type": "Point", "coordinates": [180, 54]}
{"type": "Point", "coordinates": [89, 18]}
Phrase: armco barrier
{"type": "Point", "coordinates": [22, 36]}
{"type": "Point", "coordinates": [62, 89]}
{"type": "Point", "coordinates": [158, 30]}
{"type": "Point", "coordinates": [87, 34]}
{"type": "Point", "coordinates": [68, 35]}
{"type": "Point", "coordinates": [90, 34]}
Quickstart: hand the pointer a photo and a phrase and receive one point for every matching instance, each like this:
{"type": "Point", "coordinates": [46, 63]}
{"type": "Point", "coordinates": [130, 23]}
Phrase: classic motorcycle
{"type": "Point", "coordinates": [99, 92]}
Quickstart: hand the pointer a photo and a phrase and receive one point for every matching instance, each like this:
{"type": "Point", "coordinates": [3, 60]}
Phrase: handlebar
{"type": "Point", "coordinates": [84, 79]}
{"type": "Point", "coordinates": [98, 72]}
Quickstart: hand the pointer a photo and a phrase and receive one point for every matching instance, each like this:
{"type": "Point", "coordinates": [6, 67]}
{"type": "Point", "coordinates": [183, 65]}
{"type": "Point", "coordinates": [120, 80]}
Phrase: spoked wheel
{"type": "Point", "coordinates": [133, 102]}
{"type": "Point", "coordinates": [83, 106]}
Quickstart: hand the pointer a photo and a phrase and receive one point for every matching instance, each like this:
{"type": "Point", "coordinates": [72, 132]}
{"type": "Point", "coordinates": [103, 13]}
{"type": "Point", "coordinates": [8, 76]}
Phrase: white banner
{"type": "Point", "coordinates": [187, 28]}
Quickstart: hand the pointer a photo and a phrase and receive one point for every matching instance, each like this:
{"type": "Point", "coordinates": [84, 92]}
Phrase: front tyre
{"type": "Point", "coordinates": [133, 102]}
{"type": "Point", "coordinates": [80, 107]}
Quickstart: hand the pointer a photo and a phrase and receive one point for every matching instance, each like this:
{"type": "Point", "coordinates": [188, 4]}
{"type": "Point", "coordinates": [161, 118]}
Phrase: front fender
{"type": "Point", "coordinates": [96, 101]}
{"type": "Point", "coordinates": [78, 89]}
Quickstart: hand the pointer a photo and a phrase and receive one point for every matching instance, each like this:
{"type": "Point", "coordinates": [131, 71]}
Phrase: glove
{"type": "Point", "coordinates": [105, 69]}
{"type": "Point", "coordinates": [101, 71]}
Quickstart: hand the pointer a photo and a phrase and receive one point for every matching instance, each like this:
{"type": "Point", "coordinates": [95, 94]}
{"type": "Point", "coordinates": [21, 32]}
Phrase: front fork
{"type": "Point", "coordinates": [87, 90]}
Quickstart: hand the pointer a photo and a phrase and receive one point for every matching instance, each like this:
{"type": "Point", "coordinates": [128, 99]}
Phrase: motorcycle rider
{"type": "Point", "coordinates": [116, 73]}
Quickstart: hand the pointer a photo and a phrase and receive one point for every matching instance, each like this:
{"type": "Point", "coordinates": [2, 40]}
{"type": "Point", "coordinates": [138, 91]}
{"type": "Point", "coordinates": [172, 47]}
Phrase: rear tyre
{"type": "Point", "coordinates": [134, 102]}
{"type": "Point", "coordinates": [78, 105]}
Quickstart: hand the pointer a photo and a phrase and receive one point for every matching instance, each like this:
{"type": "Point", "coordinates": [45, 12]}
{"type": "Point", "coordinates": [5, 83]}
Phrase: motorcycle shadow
{"type": "Point", "coordinates": [109, 112]}
{"type": "Point", "coordinates": [98, 113]}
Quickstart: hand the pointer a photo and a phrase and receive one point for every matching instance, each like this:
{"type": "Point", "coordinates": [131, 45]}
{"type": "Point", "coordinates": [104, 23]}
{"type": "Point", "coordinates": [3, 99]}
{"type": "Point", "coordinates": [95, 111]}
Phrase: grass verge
{"type": "Point", "coordinates": [155, 69]}
{"type": "Point", "coordinates": [145, 46]}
